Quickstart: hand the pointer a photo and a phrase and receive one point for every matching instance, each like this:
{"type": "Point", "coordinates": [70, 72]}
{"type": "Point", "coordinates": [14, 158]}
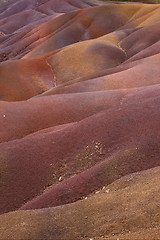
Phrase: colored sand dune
{"type": "Point", "coordinates": [79, 119]}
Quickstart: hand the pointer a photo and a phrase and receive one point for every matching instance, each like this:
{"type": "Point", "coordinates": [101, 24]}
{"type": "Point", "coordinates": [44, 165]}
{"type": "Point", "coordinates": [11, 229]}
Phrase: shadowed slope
{"type": "Point", "coordinates": [22, 16]}
{"type": "Point", "coordinates": [46, 157]}
{"type": "Point", "coordinates": [87, 24]}
{"type": "Point", "coordinates": [23, 118]}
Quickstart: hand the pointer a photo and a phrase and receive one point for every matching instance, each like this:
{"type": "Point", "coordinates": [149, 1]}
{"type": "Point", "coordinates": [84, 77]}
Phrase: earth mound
{"type": "Point", "coordinates": [79, 119]}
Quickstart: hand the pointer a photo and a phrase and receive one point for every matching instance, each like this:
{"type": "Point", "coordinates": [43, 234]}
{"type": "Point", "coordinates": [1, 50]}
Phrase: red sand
{"type": "Point", "coordinates": [79, 120]}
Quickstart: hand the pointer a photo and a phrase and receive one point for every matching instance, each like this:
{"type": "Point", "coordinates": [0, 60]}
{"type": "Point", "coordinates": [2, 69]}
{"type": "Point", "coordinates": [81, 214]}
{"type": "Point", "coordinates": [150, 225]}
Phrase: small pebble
{"type": "Point", "coordinates": [60, 179]}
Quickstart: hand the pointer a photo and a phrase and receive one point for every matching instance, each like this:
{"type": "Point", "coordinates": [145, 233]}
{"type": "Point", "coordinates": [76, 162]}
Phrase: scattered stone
{"type": "Point", "coordinates": [107, 191]}
{"type": "Point", "coordinates": [60, 179]}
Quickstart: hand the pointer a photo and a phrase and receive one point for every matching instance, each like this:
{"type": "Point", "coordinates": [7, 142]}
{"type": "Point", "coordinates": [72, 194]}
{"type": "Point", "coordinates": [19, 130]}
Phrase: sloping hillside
{"type": "Point", "coordinates": [79, 120]}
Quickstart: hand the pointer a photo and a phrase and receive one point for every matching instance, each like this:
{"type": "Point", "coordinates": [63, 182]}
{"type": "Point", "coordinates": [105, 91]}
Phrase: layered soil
{"type": "Point", "coordinates": [79, 120]}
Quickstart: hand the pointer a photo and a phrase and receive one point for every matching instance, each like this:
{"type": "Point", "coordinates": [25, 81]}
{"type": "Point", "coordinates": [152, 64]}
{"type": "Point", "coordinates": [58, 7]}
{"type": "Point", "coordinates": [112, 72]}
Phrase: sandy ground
{"type": "Point", "coordinates": [79, 120]}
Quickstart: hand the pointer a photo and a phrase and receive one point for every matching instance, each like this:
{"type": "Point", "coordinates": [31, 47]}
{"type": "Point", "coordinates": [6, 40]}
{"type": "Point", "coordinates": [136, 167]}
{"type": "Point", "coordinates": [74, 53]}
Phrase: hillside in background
{"type": "Point", "coordinates": [79, 120]}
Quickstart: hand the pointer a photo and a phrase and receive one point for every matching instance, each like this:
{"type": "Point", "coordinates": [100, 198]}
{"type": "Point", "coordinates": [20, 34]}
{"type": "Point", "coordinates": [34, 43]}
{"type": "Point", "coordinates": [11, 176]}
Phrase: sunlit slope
{"type": "Point", "coordinates": [128, 206]}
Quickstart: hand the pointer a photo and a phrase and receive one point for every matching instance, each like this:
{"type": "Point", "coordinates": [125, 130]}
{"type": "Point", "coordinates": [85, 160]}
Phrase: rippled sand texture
{"type": "Point", "coordinates": [79, 120]}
